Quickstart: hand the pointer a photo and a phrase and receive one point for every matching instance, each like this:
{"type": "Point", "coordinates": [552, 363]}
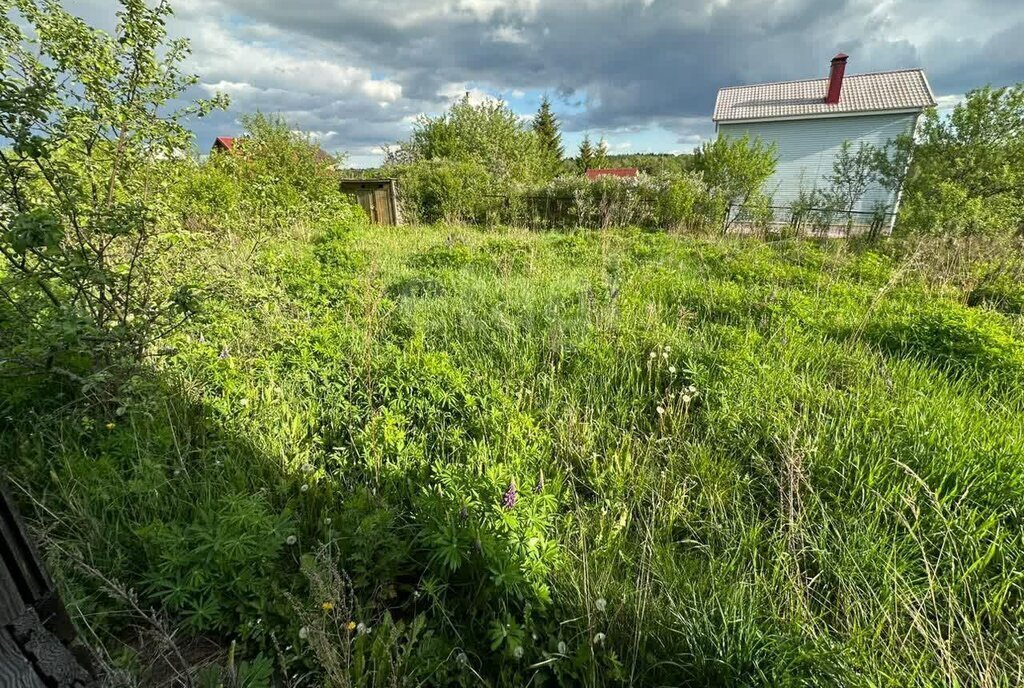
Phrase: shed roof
{"type": "Point", "coordinates": [901, 90]}
{"type": "Point", "coordinates": [613, 172]}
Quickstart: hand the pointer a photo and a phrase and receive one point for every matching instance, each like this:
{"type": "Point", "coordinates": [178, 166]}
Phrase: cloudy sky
{"type": "Point", "coordinates": [642, 73]}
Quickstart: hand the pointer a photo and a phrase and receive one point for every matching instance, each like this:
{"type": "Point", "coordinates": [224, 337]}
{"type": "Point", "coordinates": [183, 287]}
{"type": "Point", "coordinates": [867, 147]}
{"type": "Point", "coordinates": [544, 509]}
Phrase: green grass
{"type": "Point", "coordinates": [735, 463]}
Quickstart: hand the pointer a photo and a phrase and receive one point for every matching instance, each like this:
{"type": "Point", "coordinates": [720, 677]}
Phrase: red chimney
{"type": "Point", "coordinates": [835, 78]}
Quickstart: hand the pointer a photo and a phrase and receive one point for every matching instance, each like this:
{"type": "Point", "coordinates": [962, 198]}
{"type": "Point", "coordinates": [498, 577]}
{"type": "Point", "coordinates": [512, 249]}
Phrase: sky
{"type": "Point", "coordinates": [643, 74]}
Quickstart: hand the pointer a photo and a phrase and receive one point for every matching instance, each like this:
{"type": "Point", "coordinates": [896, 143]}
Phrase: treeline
{"type": "Point", "coordinates": [959, 174]}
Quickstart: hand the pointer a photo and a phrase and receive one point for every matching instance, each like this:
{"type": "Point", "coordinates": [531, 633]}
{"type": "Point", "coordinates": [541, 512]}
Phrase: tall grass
{"type": "Point", "coordinates": [731, 463]}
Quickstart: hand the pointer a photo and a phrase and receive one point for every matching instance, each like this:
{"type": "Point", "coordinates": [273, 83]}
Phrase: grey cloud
{"type": "Point", "coordinates": [629, 64]}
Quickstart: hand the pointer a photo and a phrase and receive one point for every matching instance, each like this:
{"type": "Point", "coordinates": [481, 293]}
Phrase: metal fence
{"type": "Point", "coordinates": [806, 221]}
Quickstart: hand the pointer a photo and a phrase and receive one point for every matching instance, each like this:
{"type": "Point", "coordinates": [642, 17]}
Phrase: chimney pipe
{"type": "Point", "coordinates": [835, 79]}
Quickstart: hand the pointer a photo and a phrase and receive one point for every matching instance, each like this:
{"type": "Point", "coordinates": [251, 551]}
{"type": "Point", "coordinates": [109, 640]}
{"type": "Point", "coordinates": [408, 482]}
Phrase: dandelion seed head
{"type": "Point", "coordinates": [686, 398]}
{"type": "Point", "coordinates": [601, 604]}
{"type": "Point", "coordinates": [518, 652]}
{"type": "Point", "coordinates": [461, 658]}
{"type": "Point", "coordinates": [562, 648]}
{"type": "Point", "coordinates": [661, 410]}
{"type": "Point", "coordinates": [291, 540]}
{"type": "Point", "coordinates": [599, 638]}
{"type": "Point", "coordinates": [304, 488]}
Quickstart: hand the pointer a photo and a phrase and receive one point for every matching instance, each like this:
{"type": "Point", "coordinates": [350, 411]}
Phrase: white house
{"type": "Point", "coordinates": [809, 120]}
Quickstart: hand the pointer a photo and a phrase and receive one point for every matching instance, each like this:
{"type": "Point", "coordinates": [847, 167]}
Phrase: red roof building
{"type": "Point", "coordinates": [616, 172]}
{"type": "Point", "coordinates": [223, 143]}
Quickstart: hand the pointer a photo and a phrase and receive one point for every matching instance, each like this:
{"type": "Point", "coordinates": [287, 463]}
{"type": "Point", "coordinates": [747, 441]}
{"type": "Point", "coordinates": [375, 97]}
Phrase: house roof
{"type": "Point", "coordinates": [615, 172]}
{"type": "Point", "coordinates": [901, 90]}
{"type": "Point", "coordinates": [228, 143]}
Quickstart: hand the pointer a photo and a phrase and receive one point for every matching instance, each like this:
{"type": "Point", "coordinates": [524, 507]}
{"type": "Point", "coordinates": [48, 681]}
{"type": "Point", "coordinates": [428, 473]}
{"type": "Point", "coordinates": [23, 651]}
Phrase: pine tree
{"type": "Point", "coordinates": [545, 126]}
{"type": "Point", "coordinates": [601, 154]}
{"type": "Point", "coordinates": [585, 160]}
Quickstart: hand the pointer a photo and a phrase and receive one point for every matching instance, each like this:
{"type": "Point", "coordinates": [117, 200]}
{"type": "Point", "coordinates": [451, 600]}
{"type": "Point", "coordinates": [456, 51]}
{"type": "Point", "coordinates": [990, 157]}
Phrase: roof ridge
{"type": "Point", "coordinates": [824, 78]}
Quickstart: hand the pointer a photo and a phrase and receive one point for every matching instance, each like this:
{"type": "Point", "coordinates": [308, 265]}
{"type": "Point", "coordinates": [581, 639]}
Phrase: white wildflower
{"type": "Point", "coordinates": [686, 398]}
{"type": "Point", "coordinates": [664, 354]}
{"type": "Point", "coordinates": [661, 410]}
{"type": "Point", "coordinates": [672, 369]}
{"type": "Point", "coordinates": [691, 389]}
{"type": "Point", "coordinates": [303, 632]}
{"type": "Point", "coordinates": [362, 629]}
{"type": "Point", "coordinates": [304, 488]}
{"type": "Point", "coordinates": [461, 658]}
{"type": "Point", "coordinates": [668, 348]}
{"type": "Point", "coordinates": [599, 639]}
{"type": "Point", "coordinates": [653, 354]}
{"type": "Point", "coordinates": [562, 647]}
{"type": "Point", "coordinates": [518, 652]}
{"type": "Point", "coordinates": [601, 604]}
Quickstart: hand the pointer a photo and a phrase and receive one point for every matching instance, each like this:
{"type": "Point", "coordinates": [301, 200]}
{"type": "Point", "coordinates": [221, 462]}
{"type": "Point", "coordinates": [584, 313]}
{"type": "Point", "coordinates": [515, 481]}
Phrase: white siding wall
{"type": "Point", "coordinates": [807, 147]}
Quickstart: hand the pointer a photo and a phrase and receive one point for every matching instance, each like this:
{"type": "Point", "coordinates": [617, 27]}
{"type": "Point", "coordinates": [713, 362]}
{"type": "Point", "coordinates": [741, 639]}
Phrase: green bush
{"type": "Point", "coordinates": [442, 190]}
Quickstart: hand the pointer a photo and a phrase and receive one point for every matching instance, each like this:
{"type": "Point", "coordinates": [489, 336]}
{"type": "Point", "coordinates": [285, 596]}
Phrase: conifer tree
{"type": "Point", "coordinates": [545, 126]}
{"type": "Point", "coordinates": [585, 159]}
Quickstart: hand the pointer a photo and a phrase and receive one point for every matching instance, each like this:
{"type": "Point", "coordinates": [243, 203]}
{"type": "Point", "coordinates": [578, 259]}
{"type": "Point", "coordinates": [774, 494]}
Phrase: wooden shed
{"type": "Point", "coordinates": [376, 196]}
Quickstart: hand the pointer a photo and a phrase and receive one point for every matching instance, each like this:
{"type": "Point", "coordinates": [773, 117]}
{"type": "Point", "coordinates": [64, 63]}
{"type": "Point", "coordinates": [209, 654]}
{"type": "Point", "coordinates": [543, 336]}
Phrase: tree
{"type": "Point", "coordinates": [549, 138]}
{"type": "Point", "coordinates": [852, 173]}
{"type": "Point", "coordinates": [735, 169]}
{"type": "Point", "coordinates": [89, 121]}
{"type": "Point", "coordinates": [601, 154]}
{"type": "Point", "coordinates": [967, 171]}
{"type": "Point", "coordinates": [488, 133]}
{"type": "Point", "coordinates": [585, 159]}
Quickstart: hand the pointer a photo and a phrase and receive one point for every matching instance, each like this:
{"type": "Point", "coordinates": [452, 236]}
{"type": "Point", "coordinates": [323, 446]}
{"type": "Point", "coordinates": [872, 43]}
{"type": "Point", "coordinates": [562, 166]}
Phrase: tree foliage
{"type": "Point", "coordinates": [735, 168]}
{"type": "Point", "coordinates": [486, 133]}
{"type": "Point", "coordinates": [88, 117]}
{"type": "Point", "coordinates": [549, 137]}
{"type": "Point", "coordinates": [967, 174]}
{"type": "Point", "coordinates": [273, 177]}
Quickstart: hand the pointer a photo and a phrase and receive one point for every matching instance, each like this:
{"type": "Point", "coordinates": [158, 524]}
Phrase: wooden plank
{"type": "Point", "coordinates": [15, 670]}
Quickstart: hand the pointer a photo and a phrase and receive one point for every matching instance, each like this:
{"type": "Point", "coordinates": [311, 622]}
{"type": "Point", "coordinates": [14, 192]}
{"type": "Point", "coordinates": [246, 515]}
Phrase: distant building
{"type": "Point", "coordinates": [227, 144]}
{"type": "Point", "coordinates": [617, 172]}
{"type": "Point", "coordinates": [223, 143]}
{"type": "Point", "coordinates": [809, 120]}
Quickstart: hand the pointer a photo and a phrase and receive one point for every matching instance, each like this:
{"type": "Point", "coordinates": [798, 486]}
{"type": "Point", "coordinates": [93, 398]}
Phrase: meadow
{"type": "Point", "coordinates": [453, 455]}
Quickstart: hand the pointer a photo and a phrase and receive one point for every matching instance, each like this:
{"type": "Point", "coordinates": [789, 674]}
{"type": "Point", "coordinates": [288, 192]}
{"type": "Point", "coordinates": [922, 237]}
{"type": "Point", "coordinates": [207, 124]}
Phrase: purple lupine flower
{"type": "Point", "coordinates": [511, 496]}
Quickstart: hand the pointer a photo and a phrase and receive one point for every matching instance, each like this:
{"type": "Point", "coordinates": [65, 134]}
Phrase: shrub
{"type": "Point", "coordinates": [274, 177]}
{"type": "Point", "coordinates": [85, 124]}
{"type": "Point", "coordinates": [686, 203]}
{"type": "Point", "coordinates": [967, 174]}
{"type": "Point", "coordinates": [488, 134]}
{"type": "Point", "coordinates": [735, 169]}
{"type": "Point", "coordinates": [442, 190]}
